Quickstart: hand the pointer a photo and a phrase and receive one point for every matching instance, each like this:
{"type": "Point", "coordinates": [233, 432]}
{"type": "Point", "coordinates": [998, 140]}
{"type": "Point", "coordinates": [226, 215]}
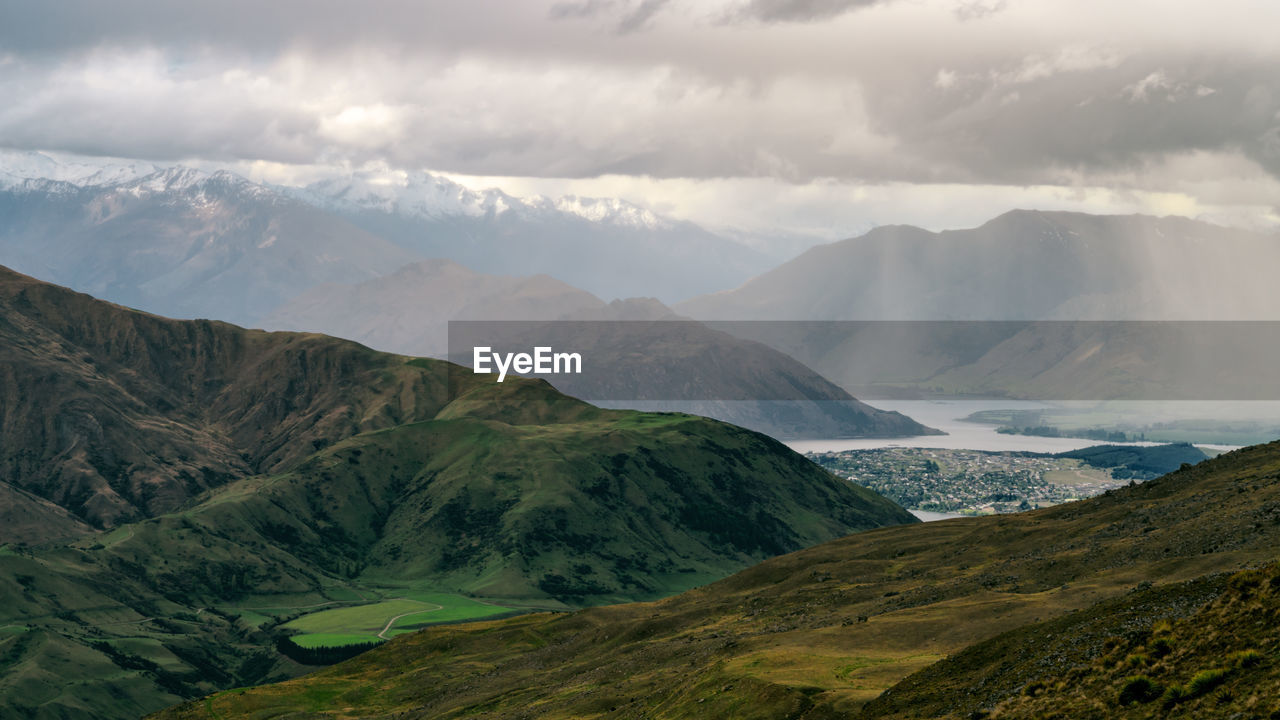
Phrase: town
{"type": "Point", "coordinates": [969, 482]}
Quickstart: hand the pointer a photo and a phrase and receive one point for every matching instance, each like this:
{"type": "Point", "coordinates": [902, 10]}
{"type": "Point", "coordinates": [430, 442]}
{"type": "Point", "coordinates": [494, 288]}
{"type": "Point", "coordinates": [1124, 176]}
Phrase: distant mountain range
{"type": "Point", "coordinates": [189, 243]}
{"type": "Point", "coordinates": [1022, 266]}
{"type": "Point", "coordinates": [202, 470]}
{"type": "Point", "coordinates": [362, 256]}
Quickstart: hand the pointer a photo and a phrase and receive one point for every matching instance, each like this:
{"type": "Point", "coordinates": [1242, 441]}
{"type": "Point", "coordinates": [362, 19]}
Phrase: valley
{"type": "Point", "coordinates": [859, 627]}
{"type": "Point", "coordinates": [237, 488]}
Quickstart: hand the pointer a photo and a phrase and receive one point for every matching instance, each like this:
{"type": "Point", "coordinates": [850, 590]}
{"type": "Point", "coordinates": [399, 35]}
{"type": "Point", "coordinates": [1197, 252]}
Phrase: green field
{"type": "Point", "coordinates": [453, 608]}
{"type": "Point", "coordinates": [386, 619]}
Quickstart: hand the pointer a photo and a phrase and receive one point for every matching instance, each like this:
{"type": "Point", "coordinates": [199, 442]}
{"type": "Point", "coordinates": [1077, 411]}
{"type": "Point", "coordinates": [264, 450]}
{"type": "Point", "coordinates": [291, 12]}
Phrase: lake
{"type": "Point", "coordinates": [946, 415]}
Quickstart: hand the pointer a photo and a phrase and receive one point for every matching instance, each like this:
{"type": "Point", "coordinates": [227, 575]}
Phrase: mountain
{"type": "Point", "coordinates": [250, 479]}
{"type": "Point", "coordinates": [1031, 304]}
{"type": "Point", "coordinates": [1022, 265]}
{"type": "Point", "coordinates": [182, 242]}
{"type": "Point", "coordinates": [631, 360]}
{"type": "Point", "coordinates": [876, 625]}
{"type": "Point", "coordinates": [606, 246]}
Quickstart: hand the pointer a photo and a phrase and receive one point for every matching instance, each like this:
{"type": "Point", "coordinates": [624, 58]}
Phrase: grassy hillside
{"type": "Point", "coordinates": [353, 480]}
{"type": "Point", "coordinates": [823, 632]}
{"type": "Point", "coordinates": [1197, 649]}
{"type": "Point", "coordinates": [613, 506]}
{"type": "Point", "coordinates": [1219, 661]}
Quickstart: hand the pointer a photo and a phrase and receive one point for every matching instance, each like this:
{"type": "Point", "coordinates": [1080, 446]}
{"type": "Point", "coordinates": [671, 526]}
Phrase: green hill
{"type": "Point", "coordinates": [824, 632]}
{"type": "Point", "coordinates": [328, 476]}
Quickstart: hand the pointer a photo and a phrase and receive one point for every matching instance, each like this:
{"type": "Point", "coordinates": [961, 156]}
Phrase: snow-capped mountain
{"type": "Point", "coordinates": [178, 241]}
{"type": "Point", "coordinates": [606, 246]}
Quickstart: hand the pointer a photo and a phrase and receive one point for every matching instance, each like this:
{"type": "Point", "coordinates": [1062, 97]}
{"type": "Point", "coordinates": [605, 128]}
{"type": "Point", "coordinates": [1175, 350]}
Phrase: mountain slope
{"type": "Point", "coordinates": [349, 478]}
{"type": "Point", "coordinates": [820, 632]}
{"type": "Point", "coordinates": [115, 414]}
{"type": "Point", "coordinates": [506, 510]}
{"type": "Point", "coordinates": [1192, 649]}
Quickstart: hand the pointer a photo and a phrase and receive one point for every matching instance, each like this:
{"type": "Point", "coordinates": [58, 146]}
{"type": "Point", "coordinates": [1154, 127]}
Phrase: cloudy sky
{"type": "Point", "coordinates": [816, 116]}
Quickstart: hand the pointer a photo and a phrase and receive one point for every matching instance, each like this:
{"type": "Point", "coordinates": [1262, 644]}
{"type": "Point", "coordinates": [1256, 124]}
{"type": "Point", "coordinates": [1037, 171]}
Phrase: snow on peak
{"type": "Point", "coordinates": [413, 194]}
{"type": "Point", "coordinates": [421, 194]}
{"type": "Point", "coordinates": [418, 194]}
{"type": "Point", "coordinates": [611, 210]}
{"type": "Point", "coordinates": [17, 166]}
{"type": "Point", "coordinates": [36, 171]}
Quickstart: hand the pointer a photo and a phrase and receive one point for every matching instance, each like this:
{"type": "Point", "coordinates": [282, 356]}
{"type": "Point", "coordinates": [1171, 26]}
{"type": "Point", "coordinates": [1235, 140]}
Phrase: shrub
{"type": "Point", "coordinates": [1174, 695]}
{"type": "Point", "coordinates": [1245, 658]}
{"type": "Point", "coordinates": [1206, 680]}
{"type": "Point", "coordinates": [1139, 689]}
{"type": "Point", "coordinates": [1137, 660]}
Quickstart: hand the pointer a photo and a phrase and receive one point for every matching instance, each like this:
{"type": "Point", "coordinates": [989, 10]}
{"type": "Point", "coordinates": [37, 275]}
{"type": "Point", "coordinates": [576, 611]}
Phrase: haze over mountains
{"type": "Point", "coordinates": [1021, 266]}
{"type": "Point", "coordinates": [695, 369]}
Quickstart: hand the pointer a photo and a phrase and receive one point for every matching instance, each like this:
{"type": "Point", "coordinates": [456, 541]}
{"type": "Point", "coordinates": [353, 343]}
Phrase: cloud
{"type": "Point", "coordinates": [798, 10]}
{"type": "Point", "coordinates": [637, 18]}
{"type": "Point", "coordinates": [1070, 93]}
{"type": "Point", "coordinates": [978, 9]}
{"type": "Point", "coordinates": [626, 17]}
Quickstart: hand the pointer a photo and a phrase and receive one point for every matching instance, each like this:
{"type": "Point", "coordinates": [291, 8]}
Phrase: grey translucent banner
{"type": "Point", "coordinates": [825, 361]}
